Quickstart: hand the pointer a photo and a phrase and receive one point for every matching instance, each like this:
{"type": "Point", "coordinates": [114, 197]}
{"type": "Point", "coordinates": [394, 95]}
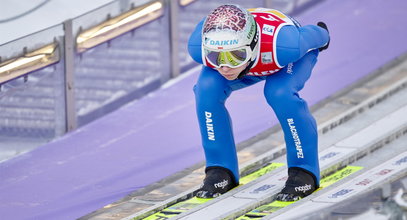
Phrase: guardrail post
{"type": "Point", "coordinates": [69, 50]}
{"type": "Point", "coordinates": [174, 39]}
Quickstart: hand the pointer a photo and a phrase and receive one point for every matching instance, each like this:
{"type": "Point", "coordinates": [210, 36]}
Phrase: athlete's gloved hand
{"type": "Point", "coordinates": [323, 25]}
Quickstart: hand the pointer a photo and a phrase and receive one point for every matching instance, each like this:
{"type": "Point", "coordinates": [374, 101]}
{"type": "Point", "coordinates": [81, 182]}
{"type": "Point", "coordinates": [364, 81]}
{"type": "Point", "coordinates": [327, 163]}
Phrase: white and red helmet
{"type": "Point", "coordinates": [229, 37]}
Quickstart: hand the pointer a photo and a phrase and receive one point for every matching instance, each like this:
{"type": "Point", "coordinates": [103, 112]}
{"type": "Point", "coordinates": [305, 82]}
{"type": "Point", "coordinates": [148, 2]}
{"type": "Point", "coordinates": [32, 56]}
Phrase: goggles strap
{"type": "Point", "coordinates": [255, 39]}
{"type": "Point", "coordinates": [251, 62]}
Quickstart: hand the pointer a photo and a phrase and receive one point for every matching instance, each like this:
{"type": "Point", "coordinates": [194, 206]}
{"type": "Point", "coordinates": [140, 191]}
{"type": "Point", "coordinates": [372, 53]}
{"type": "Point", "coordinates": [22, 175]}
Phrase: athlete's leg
{"type": "Point", "coordinates": [299, 126]}
{"type": "Point", "coordinates": [211, 92]}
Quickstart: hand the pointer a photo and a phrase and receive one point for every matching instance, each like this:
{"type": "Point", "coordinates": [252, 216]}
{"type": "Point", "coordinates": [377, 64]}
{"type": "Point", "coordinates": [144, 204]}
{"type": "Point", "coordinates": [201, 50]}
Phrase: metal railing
{"type": "Point", "coordinates": [29, 62]}
{"type": "Point", "coordinates": [61, 78]}
{"type": "Point", "coordinates": [119, 25]}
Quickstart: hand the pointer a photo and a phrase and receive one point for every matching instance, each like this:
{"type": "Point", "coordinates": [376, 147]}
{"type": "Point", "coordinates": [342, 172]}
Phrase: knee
{"type": "Point", "coordinates": [211, 87]}
{"type": "Point", "coordinates": [278, 95]}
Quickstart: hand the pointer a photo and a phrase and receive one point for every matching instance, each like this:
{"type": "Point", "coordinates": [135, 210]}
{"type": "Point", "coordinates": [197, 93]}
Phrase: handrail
{"type": "Point", "coordinates": [119, 25]}
{"type": "Point", "coordinates": [186, 2]}
{"type": "Point", "coordinates": [29, 62]}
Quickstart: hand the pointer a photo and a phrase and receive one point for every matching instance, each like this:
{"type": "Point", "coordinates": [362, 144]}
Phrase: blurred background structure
{"type": "Point", "coordinates": [96, 96]}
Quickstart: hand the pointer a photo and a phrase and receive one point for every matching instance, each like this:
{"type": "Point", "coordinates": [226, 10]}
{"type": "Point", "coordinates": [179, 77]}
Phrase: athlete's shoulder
{"type": "Point", "coordinates": [195, 42]}
{"type": "Point", "coordinates": [267, 14]}
{"type": "Point", "coordinates": [272, 21]}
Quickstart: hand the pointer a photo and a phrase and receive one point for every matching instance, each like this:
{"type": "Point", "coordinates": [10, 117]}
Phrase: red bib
{"type": "Point", "coordinates": [269, 22]}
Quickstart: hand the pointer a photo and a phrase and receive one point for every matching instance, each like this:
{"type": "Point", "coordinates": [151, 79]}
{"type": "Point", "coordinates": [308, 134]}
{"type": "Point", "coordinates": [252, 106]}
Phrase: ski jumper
{"type": "Point", "coordinates": [286, 57]}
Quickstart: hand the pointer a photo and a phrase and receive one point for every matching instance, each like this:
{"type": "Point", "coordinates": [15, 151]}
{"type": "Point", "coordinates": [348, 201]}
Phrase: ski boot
{"type": "Point", "coordinates": [300, 183]}
{"type": "Point", "coordinates": [218, 181]}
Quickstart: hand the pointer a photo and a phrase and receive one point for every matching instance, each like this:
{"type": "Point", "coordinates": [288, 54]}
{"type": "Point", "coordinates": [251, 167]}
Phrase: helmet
{"type": "Point", "coordinates": [229, 37]}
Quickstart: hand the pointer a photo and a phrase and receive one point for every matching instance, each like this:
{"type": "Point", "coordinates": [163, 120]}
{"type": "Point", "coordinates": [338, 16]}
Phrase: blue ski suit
{"type": "Point", "coordinates": [297, 51]}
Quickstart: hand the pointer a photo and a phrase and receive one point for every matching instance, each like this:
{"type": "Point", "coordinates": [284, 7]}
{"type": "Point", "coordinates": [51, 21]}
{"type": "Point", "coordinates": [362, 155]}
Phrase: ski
{"type": "Point", "coordinates": [193, 202]}
{"type": "Point", "coordinates": [274, 206]}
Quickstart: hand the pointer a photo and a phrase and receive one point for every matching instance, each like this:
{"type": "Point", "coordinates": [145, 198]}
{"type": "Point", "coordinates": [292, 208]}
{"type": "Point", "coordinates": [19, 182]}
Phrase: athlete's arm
{"type": "Point", "coordinates": [195, 43]}
{"type": "Point", "coordinates": [294, 42]}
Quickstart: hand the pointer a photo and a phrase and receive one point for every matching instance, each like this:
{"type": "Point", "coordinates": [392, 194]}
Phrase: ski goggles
{"type": "Point", "coordinates": [232, 58]}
